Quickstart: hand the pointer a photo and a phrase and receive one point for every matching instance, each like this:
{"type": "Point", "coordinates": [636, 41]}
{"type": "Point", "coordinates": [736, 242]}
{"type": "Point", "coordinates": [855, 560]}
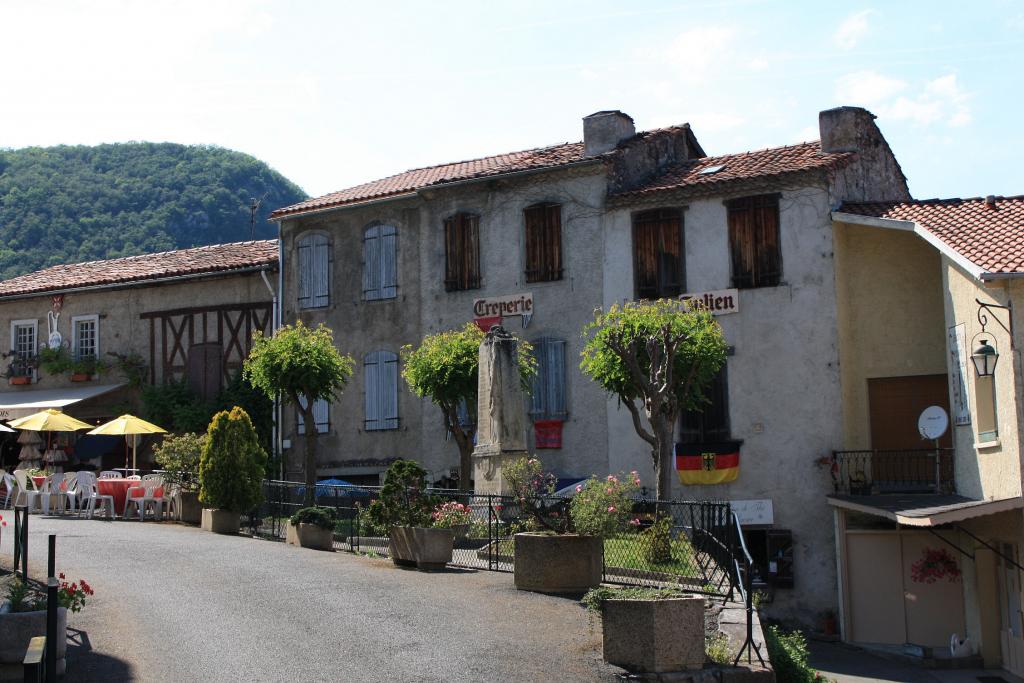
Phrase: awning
{"type": "Point", "coordinates": [925, 510]}
{"type": "Point", "coordinates": [15, 404]}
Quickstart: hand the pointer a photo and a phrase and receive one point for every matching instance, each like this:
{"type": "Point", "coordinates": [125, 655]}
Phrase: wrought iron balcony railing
{"type": "Point", "coordinates": [907, 471]}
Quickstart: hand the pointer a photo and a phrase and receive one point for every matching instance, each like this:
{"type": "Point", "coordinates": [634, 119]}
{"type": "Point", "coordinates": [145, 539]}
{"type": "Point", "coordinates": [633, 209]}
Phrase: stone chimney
{"type": "Point", "coordinates": [604, 130]}
{"type": "Point", "coordinates": [847, 129]}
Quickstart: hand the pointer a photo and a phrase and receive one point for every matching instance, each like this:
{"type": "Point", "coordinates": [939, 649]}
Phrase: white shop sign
{"type": "Point", "coordinates": [751, 512]}
{"type": "Point", "coordinates": [719, 302]}
{"type": "Point", "coordinates": [505, 307]}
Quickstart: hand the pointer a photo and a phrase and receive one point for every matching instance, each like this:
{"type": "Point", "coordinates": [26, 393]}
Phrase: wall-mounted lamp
{"type": "Point", "coordinates": [986, 356]}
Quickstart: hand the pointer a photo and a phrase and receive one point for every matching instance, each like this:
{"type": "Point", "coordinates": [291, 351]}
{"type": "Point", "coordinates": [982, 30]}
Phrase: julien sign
{"type": "Point", "coordinates": [718, 302]}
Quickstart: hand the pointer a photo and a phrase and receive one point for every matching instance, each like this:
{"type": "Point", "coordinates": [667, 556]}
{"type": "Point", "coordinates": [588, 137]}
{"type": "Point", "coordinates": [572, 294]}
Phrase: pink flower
{"type": "Point", "coordinates": [608, 490]}
{"type": "Point", "coordinates": [578, 488]}
{"type": "Point", "coordinates": [611, 477]}
{"type": "Point", "coordinates": [634, 522]}
{"type": "Point", "coordinates": [611, 508]}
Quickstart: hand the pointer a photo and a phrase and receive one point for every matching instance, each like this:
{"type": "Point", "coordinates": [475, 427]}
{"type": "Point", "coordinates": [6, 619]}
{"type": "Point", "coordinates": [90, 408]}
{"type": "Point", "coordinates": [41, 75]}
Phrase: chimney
{"type": "Point", "coordinates": [604, 130]}
{"type": "Point", "coordinates": [990, 201]}
{"type": "Point", "coordinates": [846, 129]}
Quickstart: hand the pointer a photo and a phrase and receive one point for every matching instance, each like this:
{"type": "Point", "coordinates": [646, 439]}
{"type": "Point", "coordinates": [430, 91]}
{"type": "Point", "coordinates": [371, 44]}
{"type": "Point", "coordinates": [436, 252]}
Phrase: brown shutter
{"type": "Point", "coordinates": [205, 369]}
{"type": "Point", "coordinates": [543, 242]}
{"type": "Point", "coordinates": [658, 253]}
{"type": "Point", "coordinates": [754, 241]}
{"type": "Point", "coordinates": [462, 252]}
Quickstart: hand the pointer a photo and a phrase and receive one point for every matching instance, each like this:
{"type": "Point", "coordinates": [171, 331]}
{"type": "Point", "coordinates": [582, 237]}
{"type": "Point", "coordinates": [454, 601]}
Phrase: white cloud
{"type": "Point", "coordinates": [867, 87]}
{"type": "Point", "coordinates": [853, 28]}
{"type": "Point", "coordinates": [697, 53]}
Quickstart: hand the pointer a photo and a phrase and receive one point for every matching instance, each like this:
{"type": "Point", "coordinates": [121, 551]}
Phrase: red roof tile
{"type": "Point", "coordinates": [197, 261]}
{"type": "Point", "coordinates": [989, 236]}
{"type": "Point", "coordinates": [760, 164]}
{"type": "Point", "coordinates": [410, 181]}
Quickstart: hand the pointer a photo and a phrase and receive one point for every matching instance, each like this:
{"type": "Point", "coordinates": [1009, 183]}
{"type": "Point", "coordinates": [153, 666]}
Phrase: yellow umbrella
{"type": "Point", "coordinates": [49, 420]}
{"type": "Point", "coordinates": [125, 425]}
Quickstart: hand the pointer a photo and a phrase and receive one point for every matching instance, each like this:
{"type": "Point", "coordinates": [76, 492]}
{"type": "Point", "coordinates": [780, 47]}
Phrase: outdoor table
{"type": "Point", "coordinates": [39, 481]}
{"type": "Point", "coordinates": [118, 488]}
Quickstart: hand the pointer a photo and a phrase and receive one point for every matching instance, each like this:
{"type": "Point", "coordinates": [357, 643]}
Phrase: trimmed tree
{"type": "Point", "coordinates": [445, 368]}
{"type": "Point", "coordinates": [231, 464]}
{"type": "Point", "coordinates": [301, 365]}
{"type": "Point", "coordinates": [657, 358]}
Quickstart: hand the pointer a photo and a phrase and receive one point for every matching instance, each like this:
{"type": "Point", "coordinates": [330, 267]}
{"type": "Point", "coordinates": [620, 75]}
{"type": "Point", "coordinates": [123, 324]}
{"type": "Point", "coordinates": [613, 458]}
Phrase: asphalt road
{"type": "Point", "coordinates": [174, 603]}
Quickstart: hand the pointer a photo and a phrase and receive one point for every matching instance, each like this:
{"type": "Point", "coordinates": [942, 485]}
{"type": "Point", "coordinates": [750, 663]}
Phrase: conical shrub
{"type": "Point", "coordinates": [232, 463]}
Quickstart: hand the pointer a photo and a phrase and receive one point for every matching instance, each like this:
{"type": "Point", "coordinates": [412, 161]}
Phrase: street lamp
{"type": "Point", "coordinates": [985, 358]}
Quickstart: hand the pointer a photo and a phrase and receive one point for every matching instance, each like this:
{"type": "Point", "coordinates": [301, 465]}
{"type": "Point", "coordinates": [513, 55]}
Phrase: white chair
{"type": "Point", "coordinates": [134, 477]}
{"type": "Point", "coordinates": [28, 494]}
{"type": "Point", "coordinates": [148, 498]}
{"type": "Point", "coordinates": [10, 488]}
{"type": "Point", "coordinates": [91, 496]}
{"type": "Point", "coordinates": [53, 489]}
{"type": "Point", "coordinates": [73, 490]}
{"type": "Point", "coordinates": [110, 474]}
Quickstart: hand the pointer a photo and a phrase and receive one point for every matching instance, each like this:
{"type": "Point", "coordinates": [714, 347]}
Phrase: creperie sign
{"type": "Point", "coordinates": [719, 302]}
{"type": "Point", "coordinates": [505, 307]}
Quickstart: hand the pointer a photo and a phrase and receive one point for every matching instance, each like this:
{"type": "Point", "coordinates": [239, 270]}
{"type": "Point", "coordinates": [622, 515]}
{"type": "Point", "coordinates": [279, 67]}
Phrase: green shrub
{"type": "Point", "coordinates": [716, 648]}
{"type": "Point", "coordinates": [602, 506]}
{"type": "Point", "coordinates": [595, 597]}
{"type": "Point", "coordinates": [55, 360]}
{"type": "Point", "coordinates": [322, 517]}
{"type": "Point", "coordinates": [404, 500]}
{"type": "Point", "coordinates": [656, 542]}
{"type": "Point", "coordinates": [788, 652]}
{"type": "Point", "coordinates": [232, 462]}
{"type": "Point", "coordinates": [178, 455]}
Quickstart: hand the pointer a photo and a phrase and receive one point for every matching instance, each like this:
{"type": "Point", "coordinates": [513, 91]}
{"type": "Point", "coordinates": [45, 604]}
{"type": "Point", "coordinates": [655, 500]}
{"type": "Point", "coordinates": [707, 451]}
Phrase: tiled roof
{"type": "Point", "coordinates": [197, 261]}
{"type": "Point", "coordinates": [410, 181]}
{"type": "Point", "coordinates": [989, 235]}
{"type": "Point", "coordinates": [764, 164]}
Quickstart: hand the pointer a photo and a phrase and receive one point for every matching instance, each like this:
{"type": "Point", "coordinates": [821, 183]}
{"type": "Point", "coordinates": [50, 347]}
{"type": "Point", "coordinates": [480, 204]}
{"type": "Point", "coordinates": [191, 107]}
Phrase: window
{"type": "Point", "coordinates": [658, 253]}
{"type": "Point", "coordinates": [985, 391]}
{"type": "Point", "coordinates": [85, 338]}
{"type": "Point", "coordinates": [462, 252]}
{"type": "Point", "coordinates": [548, 397]}
{"type": "Point", "coordinates": [314, 271]}
{"type": "Point", "coordinates": [321, 415]}
{"type": "Point", "coordinates": [380, 271]}
{"type": "Point", "coordinates": [754, 241]}
{"type": "Point", "coordinates": [710, 422]}
{"type": "Point", "coordinates": [23, 338]}
{"type": "Point", "coordinates": [543, 242]}
{"type": "Point", "coordinates": [380, 369]}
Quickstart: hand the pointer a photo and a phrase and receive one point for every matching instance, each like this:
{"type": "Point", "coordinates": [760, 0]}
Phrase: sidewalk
{"type": "Point", "coordinates": [848, 664]}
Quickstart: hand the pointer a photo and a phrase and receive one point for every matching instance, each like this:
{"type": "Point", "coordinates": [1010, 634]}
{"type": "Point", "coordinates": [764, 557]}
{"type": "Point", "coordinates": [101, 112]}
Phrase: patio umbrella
{"type": "Point", "coordinates": [49, 420]}
{"type": "Point", "coordinates": [5, 428]}
{"type": "Point", "coordinates": [128, 425]}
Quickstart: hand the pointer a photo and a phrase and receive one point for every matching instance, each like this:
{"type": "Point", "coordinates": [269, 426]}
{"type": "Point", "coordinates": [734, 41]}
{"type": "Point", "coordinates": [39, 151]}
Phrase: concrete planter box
{"type": "Point", "coordinates": [190, 510]}
{"type": "Point", "coordinates": [309, 536]}
{"type": "Point", "coordinates": [654, 636]}
{"type": "Point", "coordinates": [421, 548]}
{"type": "Point", "coordinates": [221, 521]}
{"type": "Point", "coordinates": [17, 629]}
{"type": "Point", "coordinates": [546, 563]}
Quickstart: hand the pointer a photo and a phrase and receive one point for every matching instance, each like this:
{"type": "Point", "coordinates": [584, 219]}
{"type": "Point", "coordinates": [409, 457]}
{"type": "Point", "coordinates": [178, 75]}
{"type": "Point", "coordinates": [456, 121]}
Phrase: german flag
{"type": "Point", "coordinates": [709, 463]}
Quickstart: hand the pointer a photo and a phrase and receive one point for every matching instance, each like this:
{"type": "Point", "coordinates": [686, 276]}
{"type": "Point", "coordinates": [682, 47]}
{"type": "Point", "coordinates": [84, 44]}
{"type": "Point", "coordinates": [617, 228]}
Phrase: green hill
{"type": "Point", "coordinates": [76, 203]}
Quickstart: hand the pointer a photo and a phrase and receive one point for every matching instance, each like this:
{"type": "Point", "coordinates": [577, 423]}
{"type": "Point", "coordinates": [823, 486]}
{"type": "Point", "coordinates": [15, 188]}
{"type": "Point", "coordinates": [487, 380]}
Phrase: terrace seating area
{"type": "Point", "coordinates": [110, 494]}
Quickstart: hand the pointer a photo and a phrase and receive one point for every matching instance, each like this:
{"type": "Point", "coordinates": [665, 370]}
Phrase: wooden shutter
{"type": "Point", "coordinates": [388, 262]}
{"type": "Point", "coordinates": [710, 422]}
{"type": "Point", "coordinates": [380, 269]}
{"type": "Point", "coordinates": [314, 271]}
{"type": "Point", "coordinates": [371, 263]}
{"type": "Point", "coordinates": [305, 249]}
{"type": "Point", "coordinates": [543, 242]}
{"type": "Point", "coordinates": [754, 246]}
{"type": "Point", "coordinates": [548, 395]}
{"type": "Point", "coordinates": [321, 415]}
{"type": "Point", "coordinates": [658, 253]}
{"type": "Point", "coordinates": [462, 252]}
{"type": "Point", "coordinates": [380, 371]}
{"type": "Point", "coordinates": [205, 369]}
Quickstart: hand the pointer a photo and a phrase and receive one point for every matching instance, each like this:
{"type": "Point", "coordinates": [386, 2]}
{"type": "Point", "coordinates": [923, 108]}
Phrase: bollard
{"type": "Point", "coordinates": [51, 613]}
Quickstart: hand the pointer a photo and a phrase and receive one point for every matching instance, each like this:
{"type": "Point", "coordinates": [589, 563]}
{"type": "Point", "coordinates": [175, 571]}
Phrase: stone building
{"type": "Point", "coordinates": [541, 238]}
{"type": "Point", "coordinates": [180, 315]}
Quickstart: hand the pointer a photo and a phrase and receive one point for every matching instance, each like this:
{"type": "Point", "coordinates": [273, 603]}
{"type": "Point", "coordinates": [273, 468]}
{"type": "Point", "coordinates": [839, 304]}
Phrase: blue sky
{"type": "Point", "coordinates": [332, 94]}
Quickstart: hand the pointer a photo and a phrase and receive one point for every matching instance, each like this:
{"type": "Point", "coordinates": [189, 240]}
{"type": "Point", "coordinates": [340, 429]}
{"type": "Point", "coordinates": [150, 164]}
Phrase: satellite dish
{"type": "Point", "coordinates": [933, 422]}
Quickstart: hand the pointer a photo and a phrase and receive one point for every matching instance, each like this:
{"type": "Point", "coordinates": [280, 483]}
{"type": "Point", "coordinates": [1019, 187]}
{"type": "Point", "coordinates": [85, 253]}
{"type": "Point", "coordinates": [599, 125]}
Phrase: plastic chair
{"type": "Point", "coordinates": [28, 494]}
{"type": "Point", "coordinates": [134, 477]}
{"type": "Point", "coordinates": [110, 474]}
{"type": "Point", "coordinates": [148, 499]}
{"type": "Point", "coordinates": [10, 488]}
{"type": "Point", "coordinates": [91, 496]}
{"type": "Point", "coordinates": [52, 490]}
{"type": "Point", "coordinates": [72, 490]}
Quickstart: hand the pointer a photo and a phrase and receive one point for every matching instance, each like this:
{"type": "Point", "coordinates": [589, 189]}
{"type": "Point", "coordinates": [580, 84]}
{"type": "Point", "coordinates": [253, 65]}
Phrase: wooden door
{"type": "Point", "coordinates": [873, 566]}
{"type": "Point", "coordinates": [895, 403]}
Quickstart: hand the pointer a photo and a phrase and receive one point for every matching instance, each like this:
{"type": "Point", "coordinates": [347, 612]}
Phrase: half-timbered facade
{"type": "Point", "coordinates": [186, 315]}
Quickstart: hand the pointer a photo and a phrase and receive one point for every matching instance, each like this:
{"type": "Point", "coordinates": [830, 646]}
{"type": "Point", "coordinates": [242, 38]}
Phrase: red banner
{"type": "Point", "coordinates": [547, 433]}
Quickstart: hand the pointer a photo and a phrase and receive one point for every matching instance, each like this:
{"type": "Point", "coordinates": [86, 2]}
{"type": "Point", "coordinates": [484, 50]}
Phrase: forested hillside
{"type": "Point", "coordinates": [76, 203]}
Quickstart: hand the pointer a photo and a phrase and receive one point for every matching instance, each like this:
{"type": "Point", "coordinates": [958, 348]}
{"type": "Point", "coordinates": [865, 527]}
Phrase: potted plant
{"type": "Point", "coordinates": [562, 550]}
{"type": "Point", "coordinates": [312, 527]}
{"type": "Point", "coordinates": [23, 616]}
{"type": "Point", "coordinates": [21, 369]}
{"type": "Point", "coordinates": [650, 630]}
{"type": "Point", "coordinates": [405, 510]}
{"type": "Point", "coordinates": [453, 515]}
{"type": "Point", "coordinates": [178, 455]}
{"type": "Point", "coordinates": [230, 471]}
{"type": "Point", "coordinates": [84, 369]}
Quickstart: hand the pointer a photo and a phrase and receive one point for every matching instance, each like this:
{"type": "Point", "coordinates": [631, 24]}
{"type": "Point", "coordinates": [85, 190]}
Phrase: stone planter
{"type": "Point", "coordinates": [461, 531]}
{"type": "Point", "coordinates": [17, 629]}
{"type": "Point", "coordinates": [190, 510]}
{"type": "Point", "coordinates": [546, 563]}
{"type": "Point", "coordinates": [221, 521]}
{"type": "Point", "coordinates": [309, 536]}
{"type": "Point", "coordinates": [20, 381]}
{"type": "Point", "coordinates": [654, 636]}
{"type": "Point", "coordinates": [421, 548]}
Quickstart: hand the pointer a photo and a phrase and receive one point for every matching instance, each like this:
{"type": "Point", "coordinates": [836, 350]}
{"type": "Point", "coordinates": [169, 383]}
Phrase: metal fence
{"type": "Point", "coordinates": [699, 549]}
{"type": "Point", "coordinates": [893, 471]}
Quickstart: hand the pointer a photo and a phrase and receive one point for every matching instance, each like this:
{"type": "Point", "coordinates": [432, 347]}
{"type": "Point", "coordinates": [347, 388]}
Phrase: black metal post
{"type": "Point", "coordinates": [51, 614]}
{"type": "Point", "coordinates": [51, 562]}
